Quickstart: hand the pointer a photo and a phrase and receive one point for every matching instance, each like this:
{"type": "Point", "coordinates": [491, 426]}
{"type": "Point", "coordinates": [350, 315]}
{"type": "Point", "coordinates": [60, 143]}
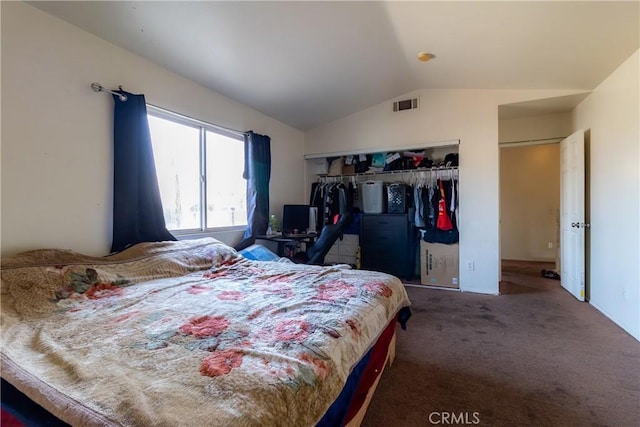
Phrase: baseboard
{"type": "Point", "coordinates": [530, 260]}
{"type": "Point", "coordinates": [620, 324]}
{"type": "Point", "coordinates": [431, 287]}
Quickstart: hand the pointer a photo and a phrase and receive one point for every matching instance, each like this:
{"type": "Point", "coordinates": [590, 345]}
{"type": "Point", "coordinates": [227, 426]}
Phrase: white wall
{"type": "Point", "coordinates": [57, 133]}
{"type": "Point", "coordinates": [468, 115]}
{"type": "Point", "coordinates": [611, 117]}
{"type": "Point", "coordinates": [535, 127]}
{"type": "Point", "coordinates": [530, 202]}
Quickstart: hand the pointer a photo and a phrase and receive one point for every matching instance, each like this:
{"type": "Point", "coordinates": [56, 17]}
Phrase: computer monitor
{"type": "Point", "coordinates": [295, 219]}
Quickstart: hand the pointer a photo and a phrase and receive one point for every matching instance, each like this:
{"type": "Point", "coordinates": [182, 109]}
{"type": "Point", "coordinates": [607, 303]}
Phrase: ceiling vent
{"type": "Point", "coordinates": [405, 104]}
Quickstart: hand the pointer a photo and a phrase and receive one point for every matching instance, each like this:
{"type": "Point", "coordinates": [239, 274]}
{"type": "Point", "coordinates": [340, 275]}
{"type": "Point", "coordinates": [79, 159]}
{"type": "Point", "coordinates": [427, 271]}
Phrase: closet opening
{"type": "Point", "coordinates": [405, 206]}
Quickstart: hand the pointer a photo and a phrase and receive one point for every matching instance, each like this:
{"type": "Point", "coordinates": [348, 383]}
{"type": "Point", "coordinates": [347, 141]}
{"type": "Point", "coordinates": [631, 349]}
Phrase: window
{"type": "Point", "coordinates": [198, 165]}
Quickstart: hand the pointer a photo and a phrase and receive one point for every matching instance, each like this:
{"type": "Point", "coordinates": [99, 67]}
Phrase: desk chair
{"type": "Point", "coordinates": [329, 235]}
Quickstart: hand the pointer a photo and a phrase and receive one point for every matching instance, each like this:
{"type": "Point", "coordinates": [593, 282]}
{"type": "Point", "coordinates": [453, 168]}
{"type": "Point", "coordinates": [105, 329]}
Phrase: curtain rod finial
{"type": "Point", "coordinates": [97, 87]}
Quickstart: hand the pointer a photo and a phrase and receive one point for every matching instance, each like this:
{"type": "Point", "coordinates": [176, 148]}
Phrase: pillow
{"type": "Point", "coordinates": [32, 280]}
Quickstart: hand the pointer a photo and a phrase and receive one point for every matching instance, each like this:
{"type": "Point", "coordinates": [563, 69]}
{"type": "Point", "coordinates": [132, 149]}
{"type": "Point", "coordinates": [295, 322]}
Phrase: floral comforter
{"type": "Point", "coordinates": [187, 333]}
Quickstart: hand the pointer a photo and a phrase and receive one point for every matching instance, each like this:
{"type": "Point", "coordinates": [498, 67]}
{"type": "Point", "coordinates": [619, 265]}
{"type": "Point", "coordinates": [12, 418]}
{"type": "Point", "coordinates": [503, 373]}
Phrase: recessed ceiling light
{"type": "Point", "coordinates": [425, 56]}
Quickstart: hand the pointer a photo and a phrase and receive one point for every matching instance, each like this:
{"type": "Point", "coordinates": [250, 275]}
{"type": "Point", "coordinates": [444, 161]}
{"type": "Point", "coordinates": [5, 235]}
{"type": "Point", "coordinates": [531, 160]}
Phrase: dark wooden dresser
{"type": "Point", "coordinates": [387, 244]}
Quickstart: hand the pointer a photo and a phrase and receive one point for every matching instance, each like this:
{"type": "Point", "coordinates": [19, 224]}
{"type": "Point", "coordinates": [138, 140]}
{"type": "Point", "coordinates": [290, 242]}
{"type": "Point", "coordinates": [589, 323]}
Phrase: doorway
{"type": "Point", "coordinates": [530, 210]}
{"type": "Point", "coordinates": [530, 217]}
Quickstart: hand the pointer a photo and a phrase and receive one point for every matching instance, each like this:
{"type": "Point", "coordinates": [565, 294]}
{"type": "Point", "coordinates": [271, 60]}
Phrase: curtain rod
{"type": "Point", "coordinates": [97, 87]}
{"type": "Point", "coordinates": [223, 129]}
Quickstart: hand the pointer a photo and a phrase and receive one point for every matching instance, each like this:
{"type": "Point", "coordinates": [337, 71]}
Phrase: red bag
{"type": "Point", "coordinates": [444, 222]}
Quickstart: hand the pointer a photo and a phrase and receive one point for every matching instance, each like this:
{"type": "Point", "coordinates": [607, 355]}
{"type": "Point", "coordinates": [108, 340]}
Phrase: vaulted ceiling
{"type": "Point", "coordinates": [308, 63]}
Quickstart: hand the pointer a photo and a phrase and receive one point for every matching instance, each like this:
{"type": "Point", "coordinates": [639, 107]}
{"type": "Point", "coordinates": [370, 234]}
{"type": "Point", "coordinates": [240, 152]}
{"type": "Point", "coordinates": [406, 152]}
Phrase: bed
{"type": "Point", "coordinates": [193, 333]}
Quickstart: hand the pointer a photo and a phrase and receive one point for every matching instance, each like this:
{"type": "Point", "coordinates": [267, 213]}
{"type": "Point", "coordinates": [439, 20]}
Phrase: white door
{"type": "Point", "coordinates": [572, 219]}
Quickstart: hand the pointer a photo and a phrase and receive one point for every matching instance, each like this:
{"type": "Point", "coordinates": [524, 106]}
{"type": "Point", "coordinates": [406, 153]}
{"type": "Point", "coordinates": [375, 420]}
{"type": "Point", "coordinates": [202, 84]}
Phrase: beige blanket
{"type": "Point", "coordinates": [187, 333]}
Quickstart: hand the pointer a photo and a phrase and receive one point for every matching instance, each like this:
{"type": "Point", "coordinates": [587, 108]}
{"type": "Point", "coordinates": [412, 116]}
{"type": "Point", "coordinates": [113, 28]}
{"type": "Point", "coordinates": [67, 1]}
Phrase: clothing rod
{"type": "Point", "coordinates": [97, 87]}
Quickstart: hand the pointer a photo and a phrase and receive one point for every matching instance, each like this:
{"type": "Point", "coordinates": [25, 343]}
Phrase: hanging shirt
{"type": "Point", "coordinates": [419, 217]}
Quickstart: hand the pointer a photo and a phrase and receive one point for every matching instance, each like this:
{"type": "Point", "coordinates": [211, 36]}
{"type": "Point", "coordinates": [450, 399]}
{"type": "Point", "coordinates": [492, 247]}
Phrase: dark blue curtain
{"type": "Point", "coordinates": [137, 208]}
{"type": "Point", "coordinates": [257, 172]}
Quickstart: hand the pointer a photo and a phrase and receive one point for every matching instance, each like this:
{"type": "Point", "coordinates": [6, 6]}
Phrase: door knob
{"type": "Point", "coordinates": [580, 225]}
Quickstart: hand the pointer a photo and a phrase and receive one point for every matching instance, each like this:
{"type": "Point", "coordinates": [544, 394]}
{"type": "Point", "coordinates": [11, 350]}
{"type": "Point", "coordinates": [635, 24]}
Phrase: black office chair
{"type": "Point", "coordinates": [329, 235]}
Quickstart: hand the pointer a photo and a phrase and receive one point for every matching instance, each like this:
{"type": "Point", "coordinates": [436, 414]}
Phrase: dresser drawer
{"type": "Point", "coordinates": [382, 237]}
{"type": "Point", "coordinates": [375, 259]}
{"type": "Point", "coordinates": [384, 221]}
{"type": "Point", "coordinates": [396, 265]}
{"type": "Point", "coordinates": [387, 247]}
{"type": "Point", "coordinates": [376, 227]}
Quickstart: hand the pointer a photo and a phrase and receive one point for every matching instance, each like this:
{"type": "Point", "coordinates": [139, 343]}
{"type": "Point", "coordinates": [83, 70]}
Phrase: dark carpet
{"type": "Point", "coordinates": [532, 356]}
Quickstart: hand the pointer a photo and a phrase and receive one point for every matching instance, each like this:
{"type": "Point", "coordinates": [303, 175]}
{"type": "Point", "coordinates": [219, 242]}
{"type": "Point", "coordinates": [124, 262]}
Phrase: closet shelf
{"type": "Point", "coordinates": [398, 172]}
